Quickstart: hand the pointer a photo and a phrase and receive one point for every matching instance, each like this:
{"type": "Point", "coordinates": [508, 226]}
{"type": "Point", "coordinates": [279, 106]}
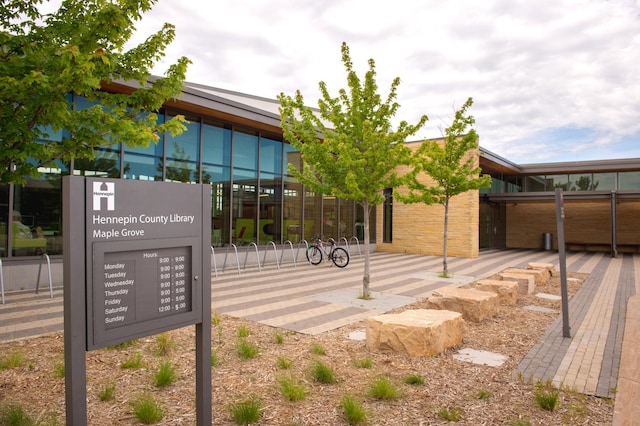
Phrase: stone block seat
{"type": "Point", "coordinates": [526, 282]}
{"type": "Point", "coordinates": [507, 291]}
{"type": "Point", "coordinates": [540, 276]}
{"type": "Point", "coordinates": [474, 305]}
{"type": "Point", "coordinates": [549, 267]}
{"type": "Point", "coordinates": [416, 332]}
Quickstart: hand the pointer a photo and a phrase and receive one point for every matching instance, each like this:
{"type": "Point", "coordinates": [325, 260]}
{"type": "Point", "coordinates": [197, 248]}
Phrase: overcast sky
{"type": "Point", "coordinates": [551, 80]}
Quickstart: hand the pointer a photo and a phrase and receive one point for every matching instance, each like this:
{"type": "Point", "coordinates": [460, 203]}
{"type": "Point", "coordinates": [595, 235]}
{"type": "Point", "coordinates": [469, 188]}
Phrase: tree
{"type": "Point", "coordinates": [44, 58]}
{"type": "Point", "coordinates": [452, 167]}
{"type": "Point", "coordinates": [355, 157]}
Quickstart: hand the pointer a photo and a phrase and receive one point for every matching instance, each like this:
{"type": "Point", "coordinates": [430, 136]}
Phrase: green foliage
{"type": "Point", "coordinates": [383, 388]}
{"type": "Point", "coordinates": [164, 344]}
{"type": "Point", "coordinates": [165, 375]}
{"type": "Point", "coordinates": [349, 146]}
{"type": "Point", "coordinates": [546, 396]}
{"type": "Point", "coordinates": [14, 415]}
{"type": "Point", "coordinates": [77, 49]}
{"type": "Point", "coordinates": [13, 360]}
{"type": "Point", "coordinates": [450, 164]}
{"type": "Point", "coordinates": [214, 358]}
{"type": "Point", "coordinates": [107, 392]}
{"type": "Point", "coordinates": [147, 410]}
{"type": "Point", "coordinates": [246, 412]}
{"type": "Point", "coordinates": [484, 393]}
{"type": "Point", "coordinates": [413, 379]}
{"type": "Point", "coordinates": [354, 412]}
{"type": "Point", "coordinates": [284, 363]}
{"type": "Point", "coordinates": [292, 389]}
{"type": "Point", "coordinates": [519, 422]}
{"type": "Point", "coordinates": [363, 363]}
{"type": "Point", "coordinates": [317, 349]}
{"type": "Point", "coordinates": [247, 350]}
{"type": "Point", "coordinates": [322, 373]}
{"type": "Point", "coordinates": [124, 345]}
{"type": "Point", "coordinates": [215, 319]}
{"type": "Point", "coordinates": [279, 338]}
{"type": "Point", "coordinates": [58, 369]}
{"type": "Point", "coordinates": [243, 331]}
{"type": "Point", "coordinates": [453, 415]}
{"type": "Point", "coordinates": [135, 361]}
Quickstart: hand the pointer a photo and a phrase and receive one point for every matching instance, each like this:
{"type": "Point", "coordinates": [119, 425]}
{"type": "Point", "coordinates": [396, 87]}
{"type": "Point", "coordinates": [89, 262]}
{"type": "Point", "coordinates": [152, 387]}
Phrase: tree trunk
{"type": "Point", "coordinates": [445, 268]}
{"type": "Point", "coordinates": [367, 257]}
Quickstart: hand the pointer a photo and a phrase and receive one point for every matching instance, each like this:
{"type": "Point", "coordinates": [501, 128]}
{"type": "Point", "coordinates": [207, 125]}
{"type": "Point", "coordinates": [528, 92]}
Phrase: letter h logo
{"type": "Point", "coordinates": [104, 191]}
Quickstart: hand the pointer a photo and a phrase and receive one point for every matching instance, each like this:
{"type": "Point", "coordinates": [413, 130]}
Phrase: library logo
{"type": "Point", "coordinates": [104, 194]}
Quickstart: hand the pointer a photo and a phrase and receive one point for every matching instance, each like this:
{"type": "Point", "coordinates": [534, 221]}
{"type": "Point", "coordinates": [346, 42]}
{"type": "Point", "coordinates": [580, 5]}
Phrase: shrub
{"type": "Point", "coordinates": [363, 363]}
{"type": "Point", "coordinates": [284, 363]}
{"type": "Point", "coordinates": [322, 373]}
{"type": "Point", "coordinates": [247, 350]}
{"type": "Point", "coordinates": [452, 415]}
{"type": "Point", "coordinates": [246, 411]}
{"type": "Point", "coordinates": [292, 389]}
{"type": "Point", "coordinates": [107, 392]}
{"type": "Point", "coordinates": [546, 396]}
{"type": "Point", "coordinates": [318, 349]}
{"type": "Point", "coordinates": [14, 415]}
{"type": "Point", "coordinates": [383, 388]}
{"type": "Point", "coordinates": [413, 379]}
{"type": "Point", "coordinates": [12, 360]}
{"type": "Point", "coordinates": [135, 361]}
{"type": "Point", "coordinates": [165, 375]}
{"type": "Point", "coordinates": [243, 331]}
{"type": "Point", "coordinates": [147, 410]}
{"type": "Point", "coordinates": [164, 344]}
{"type": "Point", "coordinates": [354, 412]}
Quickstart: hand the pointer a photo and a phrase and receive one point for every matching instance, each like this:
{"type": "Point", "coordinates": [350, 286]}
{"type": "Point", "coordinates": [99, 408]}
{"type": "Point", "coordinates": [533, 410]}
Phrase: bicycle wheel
{"type": "Point", "coordinates": [340, 257]}
{"type": "Point", "coordinates": [314, 255]}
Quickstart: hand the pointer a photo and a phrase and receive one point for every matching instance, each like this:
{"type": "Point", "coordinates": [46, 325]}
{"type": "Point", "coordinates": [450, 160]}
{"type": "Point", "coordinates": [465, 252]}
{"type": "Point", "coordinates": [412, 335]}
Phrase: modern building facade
{"type": "Point", "coordinates": [234, 143]}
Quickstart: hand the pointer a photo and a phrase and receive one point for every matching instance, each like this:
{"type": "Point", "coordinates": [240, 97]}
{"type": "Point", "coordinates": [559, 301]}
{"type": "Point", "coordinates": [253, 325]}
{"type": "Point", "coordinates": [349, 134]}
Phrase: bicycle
{"type": "Point", "coordinates": [317, 250]}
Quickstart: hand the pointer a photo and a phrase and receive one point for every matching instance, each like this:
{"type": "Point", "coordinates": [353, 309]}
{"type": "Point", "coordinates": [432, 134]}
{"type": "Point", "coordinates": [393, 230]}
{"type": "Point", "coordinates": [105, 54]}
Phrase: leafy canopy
{"type": "Point", "coordinates": [44, 58]}
{"type": "Point", "coordinates": [348, 146]}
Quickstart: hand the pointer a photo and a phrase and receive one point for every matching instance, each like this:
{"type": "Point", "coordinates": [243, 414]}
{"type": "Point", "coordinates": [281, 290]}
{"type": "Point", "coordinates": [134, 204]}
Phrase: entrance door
{"type": "Point", "coordinates": [493, 225]}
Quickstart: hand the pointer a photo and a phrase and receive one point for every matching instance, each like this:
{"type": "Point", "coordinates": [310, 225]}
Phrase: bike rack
{"type": "Point", "coordinates": [292, 253]}
{"type": "Point", "coordinates": [45, 256]}
{"type": "Point", "coordinates": [235, 248]}
{"type": "Point", "coordinates": [275, 251]}
{"type": "Point", "coordinates": [357, 245]}
{"type": "Point", "coordinates": [257, 257]}
{"type": "Point", "coordinates": [213, 261]}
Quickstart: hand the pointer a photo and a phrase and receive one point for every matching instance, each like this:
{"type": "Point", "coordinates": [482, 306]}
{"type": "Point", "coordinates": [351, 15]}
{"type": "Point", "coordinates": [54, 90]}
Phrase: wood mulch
{"type": "Point", "coordinates": [449, 385]}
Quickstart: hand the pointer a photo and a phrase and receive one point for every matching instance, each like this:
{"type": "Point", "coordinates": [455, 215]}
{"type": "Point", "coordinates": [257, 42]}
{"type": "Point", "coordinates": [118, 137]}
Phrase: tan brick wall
{"type": "Point", "coordinates": [585, 222]}
{"type": "Point", "coordinates": [418, 228]}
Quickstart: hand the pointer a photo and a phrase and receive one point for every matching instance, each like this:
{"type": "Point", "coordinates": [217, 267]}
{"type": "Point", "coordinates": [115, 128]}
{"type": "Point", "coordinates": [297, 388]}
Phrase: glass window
{"type": "Point", "coordinates": [604, 181]}
{"type": "Point", "coordinates": [312, 215]}
{"type": "Point", "coordinates": [534, 184]}
{"type": "Point", "coordinates": [271, 156]}
{"type": "Point", "coordinates": [5, 219]}
{"type": "Point", "coordinates": [330, 223]}
{"type": "Point", "coordinates": [106, 163]}
{"type": "Point", "coordinates": [387, 216]}
{"type": "Point", "coordinates": [245, 151]}
{"type": "Point", "coordinates": [218, 177]}
{"type": "Point", "coordinates": [245, 200]}
{"type": "Point", "coordinates": [185, 147]}
{"type": "Point", "coordinates": [629, 180]}
{"type": "Point", "coordinates": [270, 203]}
{"type": "Point", "coordinates": [581, 182]}
{"type": "Point", "coordinates": [291, 156]}
{"type": "Point", "coordinates": [557, 181]}
{"type": "Point", "coordinates": [216, 144]}
{"type": "Point", "coordinates": [292, 210]}
{"type": "Point", "coordinates": [142, 167]}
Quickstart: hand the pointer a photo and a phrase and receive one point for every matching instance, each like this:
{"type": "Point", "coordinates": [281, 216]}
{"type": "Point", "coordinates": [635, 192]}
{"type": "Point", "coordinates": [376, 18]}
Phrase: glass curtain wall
{"type": "Point", "coordinates": [245, 187]}
{"type": "Point", "coordinates": [270, 225]}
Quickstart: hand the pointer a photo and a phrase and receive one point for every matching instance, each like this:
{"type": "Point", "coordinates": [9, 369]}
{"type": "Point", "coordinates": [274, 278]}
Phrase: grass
{"type": "Point", "coordinates": [279, 338]}
{"type": "Point", "coordinates": [354, 412]}
{"type": "Point", "coordinates": [58, 369]}
{"type": "Point", "coordinates": [247, 350]}
{"type": "Point", "coordinates": [322, 373]}
{"type": "Point", "coordinates": [413, 379]}
{"type": "Point", "coordinates": [135, 361]}
{"type": "Point", "coordinates": [243, 331]}
{"type": "Point", "coordinates": [147, 410]}
{"type": "Point", "coordinates": [165, 375]}
{"type": "Point", "coordinates": [453, 415]}
{"type": "Point", "coordinates": [383, 388]}
{"type": "Point", "coordinates": [292, 389]}
{"type": "Point", "coordinates": [164, 344]}
{"type": "Point", "coordinates": [14, 415]}
{"type": "Point", "coordinates": [12, 360]}
{"type": "Point", "coordinates": [546, 396]}
{"type": "Point", "coordinates": [483, 393]}
{"type": "Point", "coordinates": [124, 345]}
{"type": "Point", "coordinates": [284, 363]}
{"type": "Point", "coordinates": [246, 412]}
{"type": "Point", "coordinates": [317, 349]}
{"type": "Point", "coordinates": [107, 392]}
{"type": "Point", "coordinates": [215, 319]}
{"type": "Point", "coordinates": [214, 358]}
{"type": "Point", "coordinates": [363, 363]}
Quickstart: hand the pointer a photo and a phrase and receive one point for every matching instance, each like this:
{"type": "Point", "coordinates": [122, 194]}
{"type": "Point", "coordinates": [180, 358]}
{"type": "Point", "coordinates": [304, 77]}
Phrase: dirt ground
{"type": "Point", "coordinates": [480, 394]}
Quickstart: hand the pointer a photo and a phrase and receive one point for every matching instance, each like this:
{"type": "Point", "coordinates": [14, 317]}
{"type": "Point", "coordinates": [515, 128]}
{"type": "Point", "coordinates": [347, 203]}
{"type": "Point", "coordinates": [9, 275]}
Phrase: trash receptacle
{"type": "Point", "coordinates": [547, 241]}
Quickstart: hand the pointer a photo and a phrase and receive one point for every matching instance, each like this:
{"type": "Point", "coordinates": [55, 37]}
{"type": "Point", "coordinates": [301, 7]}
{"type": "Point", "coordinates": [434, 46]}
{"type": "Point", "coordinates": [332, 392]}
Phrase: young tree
{"type": "Point", "coordinates": [356, 155]}
{"type": "Point", "coordinates": [76, 49]}
{"type": "Point", "coordinates": [451, 166]}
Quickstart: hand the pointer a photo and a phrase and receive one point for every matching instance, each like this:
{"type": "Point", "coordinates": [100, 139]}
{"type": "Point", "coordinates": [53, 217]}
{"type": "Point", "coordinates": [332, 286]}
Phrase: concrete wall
{"type": "Point", "coordinates": [418, 228]}
{"type": "Point", "coordinates": [587, 223]}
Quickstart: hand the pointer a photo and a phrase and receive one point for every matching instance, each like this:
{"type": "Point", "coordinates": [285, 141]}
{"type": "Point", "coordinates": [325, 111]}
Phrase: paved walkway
{"type": "Point", "coordinates": [311, 300]}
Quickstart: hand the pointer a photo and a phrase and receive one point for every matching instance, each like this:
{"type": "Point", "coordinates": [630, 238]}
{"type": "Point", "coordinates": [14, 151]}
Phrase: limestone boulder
{"type": "Point", "coordinates": [474, 305]}
{"type": "Point", "coordinates": [507, 291]}
{"type": "Point", "coordinates": [540, 276]}
{"type": "Point", "coordinates": [526, 282]}
{"type": "Point", "coordinates": [549, 267]}
{"type": "Point", "coordinates": [417, 332]}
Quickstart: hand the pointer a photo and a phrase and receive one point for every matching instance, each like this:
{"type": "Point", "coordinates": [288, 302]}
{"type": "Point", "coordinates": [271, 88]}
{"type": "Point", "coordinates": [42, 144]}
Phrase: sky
{"type": "Point", "coordinates": [551, 80]}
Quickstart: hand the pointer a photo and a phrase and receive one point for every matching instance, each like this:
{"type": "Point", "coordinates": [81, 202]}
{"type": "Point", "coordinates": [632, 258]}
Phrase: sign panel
{"type": "Point", "coordinates": [145, 243]}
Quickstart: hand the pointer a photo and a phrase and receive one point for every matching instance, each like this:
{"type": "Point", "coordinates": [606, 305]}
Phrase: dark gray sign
{"type": "Point", "coordinates": [137, 263]}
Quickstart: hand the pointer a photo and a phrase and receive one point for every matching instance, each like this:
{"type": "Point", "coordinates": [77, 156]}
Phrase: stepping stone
{"type": "Point", "coordinates": [416, 332]}
{"type": "Point", "coordinates": [548, 296]}
{"type": "Point", "coordinates": [540, 309]}
{"type": "Point", "coordinates": [474, 356]}
{"type": "Point", "coordinates": [358, 335]}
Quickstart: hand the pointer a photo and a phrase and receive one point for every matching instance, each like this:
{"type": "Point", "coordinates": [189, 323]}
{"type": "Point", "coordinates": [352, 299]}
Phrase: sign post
{"type": "Point", "coordinates": [136, 264]}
